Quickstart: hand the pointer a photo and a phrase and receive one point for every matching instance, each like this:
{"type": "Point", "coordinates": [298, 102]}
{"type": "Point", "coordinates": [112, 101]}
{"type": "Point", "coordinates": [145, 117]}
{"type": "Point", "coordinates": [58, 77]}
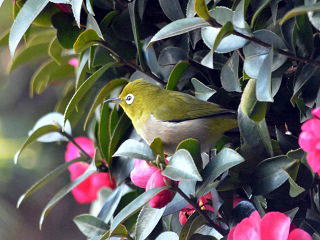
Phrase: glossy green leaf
{"type": "Point", "coordinates": [263, 5]}
{"type": "Point", "coordinates": [147, 220]}
{"type": "Point", "coordinates": [223, 161]}
{"type": "Point", "coordinates": [90, 226]}
{"type": "Point", "coordinates": [35, 135]}
{"type": "Point", "coordinates": [295, 189]}
{"type": "Point", "coordinates": [202, 91]}
{"type": "Point", "coordinates": [27, 14]}
{"type": "Point", "coordinates": [28, 54]}
{"type": "Point", "coordinates": [182, 167]}
{"type": "Point", "coordinates": [201, 9]}
{"type": "Point", "coordinates": [194, 222]}
{"type": "Point", "coordinates": [229, 74]}
{"type": "Point", "coordinates": [93, 24]}
{"type": "Point", "coordinates": [133, 149]}
{"type": "Point", "coordinates": [120, 232]}
{"type": "Point", "coordinates": [103, 131]}
{"type": "Point", "coordinates": [64, 191]}
{"type": "Point", "coordinates": [179, 27]}
{"type": "Point", "coordinates": [168, 235]}
{"type": "Point", "coordinates": [134, 206]}
{"type": "Point", "coordinates": [85, 40]}
{"type": "Point", "coordinates": [84, 88]}
{"type": "Point", "coordinates": [263, 84]}
{"type": "Point", "coordinates": [239, 16]}
{"type": "Point", "coordinates": [48, 72]}
{"type": "Point", "coordinates": [176, 74]}
{"type": "Point", "coordinates": [46, 179]}
{"type": "Point", "coordinates": [89, 7]}
{"type": "Point", "coordinates": [298, 11]}
{"type": "Point", "coordinates": [193, 147]}
{"type": "Point", "coordinates": [172, 9]}
{"type": "Point", "coordinates": [55, 51]}
{"type": "Point", "coordinates": [225, 31]}
{"type": "Point", "coordinates": [76, 9]}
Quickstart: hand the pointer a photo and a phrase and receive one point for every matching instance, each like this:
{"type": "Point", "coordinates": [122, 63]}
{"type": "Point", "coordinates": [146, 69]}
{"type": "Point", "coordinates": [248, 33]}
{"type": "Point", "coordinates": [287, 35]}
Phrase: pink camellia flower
{"type": "Point", "coordinates": [205, 203]}
{"type": "Point", "coordinates": [141, 173]}
{"type": "Point", "coordinates": [309, 140]}
{"type": "Point", "coordinates": [273, 226]}
{"type": "Point", "coordinates": [163, 198]}
{"type": "Point", "coordinates": [74, 62]}
{"type": "Point", "coordinates": [86, 191]}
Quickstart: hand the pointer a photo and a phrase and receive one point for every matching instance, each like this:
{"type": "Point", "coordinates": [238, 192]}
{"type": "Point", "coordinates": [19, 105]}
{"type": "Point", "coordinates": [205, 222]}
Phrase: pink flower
{"type": "Point", "coordinates": [141, 173]}
{"type": "Point", "coordinates": [309, 140]}
{"type": "Point", "coordinates": [86, 191]}
{"type": "Point", "coordinates": [66, 8]}
{"type": "Point", "coordinates": [74, 62]}
{"type": "Point", "coordinates": [273, 226]}
{"type": "Point", "coordinates": [163, 198]}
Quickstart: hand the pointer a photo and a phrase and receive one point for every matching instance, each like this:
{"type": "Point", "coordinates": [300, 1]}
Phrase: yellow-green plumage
{"type": "Point", "coordinates": [174, 116]}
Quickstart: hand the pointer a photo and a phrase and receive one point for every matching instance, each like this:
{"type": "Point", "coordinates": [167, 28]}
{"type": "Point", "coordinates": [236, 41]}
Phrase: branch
{"type": "Point", "coordinates": [71, 139]}
{"type": "Point", "coordinates": [129, 64]}
{"type": "Point", "coordinates": [201, 212]}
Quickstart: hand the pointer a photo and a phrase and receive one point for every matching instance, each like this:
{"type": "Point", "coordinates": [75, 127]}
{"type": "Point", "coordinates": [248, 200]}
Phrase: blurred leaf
{"type": "Point", "coordinates": [106, 21]}
{"type": "Point", "coordinates": [229, 74]}
{"type": "Point", "coordinates": [1, 1]}
{"type": "Point", "coordinates": [84, 88]}
{"type": "Point", "coordinates": [120, 232]}
{"type": "Point", "coordinates": [194, 222]}
{"type": "Point", "coordinates": [34, 136]}
{"type": "Point", "coordinates": [168, 235]}
{"type": "Point", "coordinates": [223, 161]}
{"type": "Point", "coordinates": [299, 11]}
{"type": "Point", "coordinates": [4, 38]}
{"type": "Point", "coordinates": [47, 178]}
{"type": "Point", "coordinates": [202, 91]}
{"type": "Point", "coordinates": [147, 220]}
{"type": "Point", "coordinates": [201, 9]}
{"type": "Point", "coordinates": [28, 54]}
{"type": "Point", "coordinates": [76, 10]}
{"type": "Point", "coordinates": [55, 51]}
{"type": "Point", "coordinates": [104, 93]}
{"type": "Point", "coordinates": [182, 167]}
{"type": "Point", "coordinates": [270, 174]}
{"type": "Point", "coordinates": [85, 40]}
{"type": "Point", "coordinates": [249, 104]}
{"type": "Point", "coordinates": [286, 142]}
{"type": "Point", "coordinates": [171, 9]}
{"type": "Point", "coordinates": [67, 34]}
{"type": "Point", "coordinates": [27, 14]}
{"type": "Point", "coordinates": [295, 189]}
{"type": "Point", "coordinates": [134, 206]}
{"type": "Point", "coordinates": [90, 226]}
{"type": "Point", "coordinates": [133, 149]}
{"type": "Point", "coordinates": [176, 74]}
{"type": "Point", "coordinates": [82, 68]}
{"type": "Point", "coordinates": [262, 6]}
{"type": "Point", "coordinates": [48, 72]}
{"type": "Point", "coordinates": [263, 83]}
{"type": "Point", "coordinates": [65, 190]}
{"type": "Point", "coordinates": [178, 27]}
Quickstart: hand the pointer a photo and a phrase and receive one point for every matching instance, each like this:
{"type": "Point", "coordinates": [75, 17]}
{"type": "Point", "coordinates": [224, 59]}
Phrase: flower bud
{"type": "Point", "coordinates": [141, 173]}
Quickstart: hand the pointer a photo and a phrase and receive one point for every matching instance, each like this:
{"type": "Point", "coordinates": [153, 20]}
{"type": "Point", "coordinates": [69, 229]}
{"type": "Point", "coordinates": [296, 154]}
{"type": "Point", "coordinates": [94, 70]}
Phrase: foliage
{"type": "Point", "coordinates": [259, 58]}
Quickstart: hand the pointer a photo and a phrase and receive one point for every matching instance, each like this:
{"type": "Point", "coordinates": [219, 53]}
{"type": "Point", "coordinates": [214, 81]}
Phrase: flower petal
{"type": "Point", "coordinates": [275, 226]}
{"type": "Point", "coordinates": [299, 234]}
{"type": "Point", "coordinates": [141, 173]}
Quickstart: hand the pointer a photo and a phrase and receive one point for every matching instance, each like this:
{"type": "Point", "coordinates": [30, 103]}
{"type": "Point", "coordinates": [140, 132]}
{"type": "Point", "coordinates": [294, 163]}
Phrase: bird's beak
{"type": "Point", "coordinates": [113, 100]}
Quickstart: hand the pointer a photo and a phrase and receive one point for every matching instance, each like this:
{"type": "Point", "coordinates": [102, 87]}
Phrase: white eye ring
{"type": "Point", "coordinates": [129, 98]}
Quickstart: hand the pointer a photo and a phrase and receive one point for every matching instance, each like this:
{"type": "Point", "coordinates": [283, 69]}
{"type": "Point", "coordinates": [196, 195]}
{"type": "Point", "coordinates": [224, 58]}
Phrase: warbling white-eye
{"type": "Point", "coordinates": [173, 116]}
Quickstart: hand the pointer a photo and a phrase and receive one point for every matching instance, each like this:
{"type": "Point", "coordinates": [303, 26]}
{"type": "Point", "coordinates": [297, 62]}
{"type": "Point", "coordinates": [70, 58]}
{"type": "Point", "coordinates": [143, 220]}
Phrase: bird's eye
{"type": "Point", "coordinates": [129, 98]}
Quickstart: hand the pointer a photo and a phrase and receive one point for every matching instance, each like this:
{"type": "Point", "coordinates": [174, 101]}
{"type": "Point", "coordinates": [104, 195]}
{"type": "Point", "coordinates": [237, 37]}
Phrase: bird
{"type": "Point", "coordinates": [173, 116]}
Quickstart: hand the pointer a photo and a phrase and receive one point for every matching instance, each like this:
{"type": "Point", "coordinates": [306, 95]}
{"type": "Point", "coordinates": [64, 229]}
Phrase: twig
{"type": "Point", "coordinates": [202, 213]}
{"type": "Point", "coordinates": [71, 139]}
{"type": "Point", "coordinates": [129, 64]}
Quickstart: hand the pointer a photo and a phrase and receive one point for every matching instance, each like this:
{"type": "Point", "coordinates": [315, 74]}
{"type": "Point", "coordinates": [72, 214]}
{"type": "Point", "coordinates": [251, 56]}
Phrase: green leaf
{"type": "Point", "coordinates": [225, 31]}
{"type": "Point", "coordinates": [65, 190]}
{"type": "Point", "coordinates": [193, 147]}
{"type": "Point", "coordinates": [103, 134]}
{"type": "Point", "coordinates": [229, 74]}
{"type": "Point", "coordinates": [176, 74]}
{"type": "Point", "coordinates": [28, 54]}
{"type": "Point", "coordinates": [27, 14]}
{"type": "Point", "coordinates": [263, 5]}
{"type": "Point", "coordinates": [120, 232]}
{"type": "Point", "coordinates": [85, 40]}
{"type": "Point", "coordinates": [157, 147]}
{"type": "Point", "coordinates": [182, 167]}
{"type": "Point", "coordinates": [194, 222]}
{"type": "Point", "coordinates": [299, 11]}
{"type": "Point", "coordinates": [90, 226]}
{"type": "Point", "coordinates": [179, 27]}
{"type": "Point", "coordinates": [147, 220]}
{"type": "Point", "coordinates": [202, 91]}
{"type": "Point", "coordinates": [92, 24]}
{"type": "Point", "coordinates": [133, 149]}
{"type": "Point", "coordinates": [48, 72]}
{"type": "Point", "coordinates": [1, 1]}
{"type": "Point", "coordinates": [84, 88]}
{"type": "Point", "coordinates": [104, 93]}
{"type": "Point", "coordinates": [4, 38]}
{"type": "Point", "coordinates": [295, 189]}
{"type": "Point", "coordinates": [55, 51]}
{"type": "Point", "coordinates": [46, 179]}
{"type": "Point", "coordinates": [239, 16]}
{"type": "Point", "coordinates": [89, 6]}
{"type": "Point", "coordinates": [134, 206]}
{"type": "Point", "coordinates": [223, 161]}
{"type": "Point", "coordinates": [34, 136]}
{"type": "Point", "coordinates": [201, 9]}
{"type": "Point", "coordinates": [168, 235]}
{"type": "Point", "coordinates": [263, 84]}
{"type": "Point", "coordinates": [44, 36]}
{"type": "Point", "coordinates": [76, 9]}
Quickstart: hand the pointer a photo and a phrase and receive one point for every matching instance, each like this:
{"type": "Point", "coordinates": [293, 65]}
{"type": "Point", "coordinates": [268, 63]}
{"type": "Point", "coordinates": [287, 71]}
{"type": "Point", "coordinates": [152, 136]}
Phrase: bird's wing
{"type": "Point", "coordinates": [177, 106]}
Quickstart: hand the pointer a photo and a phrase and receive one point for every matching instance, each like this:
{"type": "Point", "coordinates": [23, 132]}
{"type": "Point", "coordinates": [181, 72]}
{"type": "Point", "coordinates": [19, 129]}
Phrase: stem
{"type": "Point", "coordinates": [129, 64]}
{"type": "Point", "coordinates": [267, 45]}
{"type": "Point", "coordinates": [201, 212]}
{"type": "Point", "coordinates": [71, 139]}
